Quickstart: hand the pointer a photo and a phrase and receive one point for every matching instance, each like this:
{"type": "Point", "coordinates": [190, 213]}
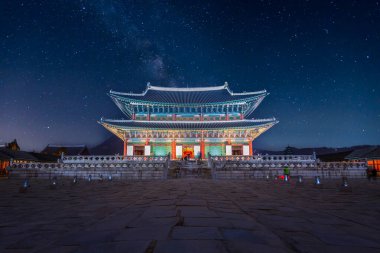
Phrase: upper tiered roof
{"type": "Point", "coordinates": [201, 95]}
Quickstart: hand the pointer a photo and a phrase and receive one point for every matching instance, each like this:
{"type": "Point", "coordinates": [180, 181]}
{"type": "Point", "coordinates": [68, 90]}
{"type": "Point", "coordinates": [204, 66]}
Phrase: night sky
{"type": "Point", "coordinates": [320, 61]}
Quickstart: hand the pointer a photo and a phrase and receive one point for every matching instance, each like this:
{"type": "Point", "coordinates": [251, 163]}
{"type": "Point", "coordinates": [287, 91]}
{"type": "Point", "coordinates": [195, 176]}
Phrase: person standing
{"type": "Point", "coordinates": [374, 174]}
{"type": "Point", "coordinates": [369, 173]}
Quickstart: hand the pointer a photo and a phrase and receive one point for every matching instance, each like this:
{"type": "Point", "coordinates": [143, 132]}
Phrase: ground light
{"type": "Point", "coordinates": [75, 180]}
{"type": "Point", "coordinates": [299, 180]}
{"type": "Point", "coordinates": [53, 183]}
{"type": "Point", "coordinates": [317, 182]}
{"type": "Point", "coordinates": [345, 187]}
{"type": "Point", "coordinates": [25, 186]}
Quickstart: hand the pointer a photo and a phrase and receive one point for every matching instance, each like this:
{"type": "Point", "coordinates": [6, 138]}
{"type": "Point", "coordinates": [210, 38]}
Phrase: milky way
{"type": "Point", "coordinates": [318, 59]}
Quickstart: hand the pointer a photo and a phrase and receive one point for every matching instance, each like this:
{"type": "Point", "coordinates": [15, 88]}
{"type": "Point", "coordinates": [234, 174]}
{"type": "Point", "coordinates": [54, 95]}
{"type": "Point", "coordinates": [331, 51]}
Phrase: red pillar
{"type": "Point", "coordinates": [227, 116]}
{"type": "Point", "coordinates": [125, 147]}
{"type": "Point", "coordinates": [133, 116]}
{"type": "Point", "coordinates": [203, 149]}
{"type": "Point", "coordinates": [250, 147]}
{"type": "Point", "coordinates": [201, 117]}
{"type": "Point", "coordinates": [241, 116]}
{"type": "Point", "coordinates": [174, 156]}
{"type": "Point", "coordinates": [174, 117]}
{"type": "Point", "coordinates": [148, 117]}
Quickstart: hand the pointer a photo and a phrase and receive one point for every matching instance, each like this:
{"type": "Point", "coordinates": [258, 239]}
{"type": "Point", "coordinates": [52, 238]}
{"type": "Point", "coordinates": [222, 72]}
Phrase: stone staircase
{"type": "Point", "coordinates": [189, 169]}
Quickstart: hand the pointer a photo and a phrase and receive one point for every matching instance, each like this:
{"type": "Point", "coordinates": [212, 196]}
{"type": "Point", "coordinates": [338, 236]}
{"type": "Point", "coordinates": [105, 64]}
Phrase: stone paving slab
{"type": "Point", "coordinates": [189, 215]}
{"type": "Point", "coordinates": [190, 246]}
{"type": "Point", "coordinates": [196, 233]}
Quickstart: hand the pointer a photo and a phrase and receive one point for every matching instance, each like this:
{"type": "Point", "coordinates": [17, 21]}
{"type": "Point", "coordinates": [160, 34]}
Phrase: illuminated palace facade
{"type": "Point", "coordinates": [188, 122]}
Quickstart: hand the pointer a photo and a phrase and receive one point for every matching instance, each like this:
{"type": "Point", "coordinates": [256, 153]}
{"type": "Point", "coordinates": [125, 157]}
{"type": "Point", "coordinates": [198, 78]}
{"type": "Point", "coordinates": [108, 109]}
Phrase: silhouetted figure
{"type": "Point", "coordinates": [369, 173]}
{"type": "Point", "coordinates": [374, 174]}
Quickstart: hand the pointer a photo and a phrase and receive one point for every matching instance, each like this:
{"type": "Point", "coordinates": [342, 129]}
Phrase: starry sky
{"type": "Point", "coordinates": [320, 61]}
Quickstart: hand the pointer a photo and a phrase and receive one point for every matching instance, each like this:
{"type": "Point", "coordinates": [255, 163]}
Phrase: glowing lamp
{"type": "Point", "coordinates": [25, 186]}
{"type": "Point", "coordinates": [26, 183]}
{"type": "Point", "coordinates": [53, 183]}
{"type": "Point", "coordinates": [345, 187]}
{"type": "Point", "coordinates": [317, 180]}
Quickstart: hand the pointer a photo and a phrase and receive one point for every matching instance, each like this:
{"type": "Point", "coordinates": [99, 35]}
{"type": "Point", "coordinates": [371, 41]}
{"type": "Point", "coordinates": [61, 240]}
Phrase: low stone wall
{"type": "Point", "coordinates": [125, 171]}
{"type": "Point", "coordinates": [233, 170]}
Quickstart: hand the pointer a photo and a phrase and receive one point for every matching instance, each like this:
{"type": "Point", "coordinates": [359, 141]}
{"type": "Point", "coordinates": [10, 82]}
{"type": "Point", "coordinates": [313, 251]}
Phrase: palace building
{"type": "Point", "coordinates": [188, 122]}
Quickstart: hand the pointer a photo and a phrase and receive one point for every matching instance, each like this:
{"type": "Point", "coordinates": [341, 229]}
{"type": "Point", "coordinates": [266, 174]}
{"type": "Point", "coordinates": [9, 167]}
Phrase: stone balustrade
{"type": "Point", "coordinates": [235, 169]}
{"type": "Point", "coordinates": [140, 168]}
{"type": "Point", "coordinates": [266, 158]}
{"type": "Point", "coordinates": [226, 167]}
{"type": "Point", "coordinates": [111, 159]}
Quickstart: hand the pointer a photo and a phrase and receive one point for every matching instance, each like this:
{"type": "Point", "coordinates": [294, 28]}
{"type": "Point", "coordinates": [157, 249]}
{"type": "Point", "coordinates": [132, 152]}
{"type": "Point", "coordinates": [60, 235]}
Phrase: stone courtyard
{"type": "Point", "coordinates": [189, 215]}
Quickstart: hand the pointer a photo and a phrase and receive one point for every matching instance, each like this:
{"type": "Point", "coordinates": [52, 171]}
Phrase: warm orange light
{"type": "Point", "coordinates": [374, 164]}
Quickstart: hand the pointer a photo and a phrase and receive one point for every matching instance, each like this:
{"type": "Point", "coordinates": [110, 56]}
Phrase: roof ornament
{"type": "Point", "coordinates": [225, 84]}
{"type": "Point", "coordinates": [148, 85]}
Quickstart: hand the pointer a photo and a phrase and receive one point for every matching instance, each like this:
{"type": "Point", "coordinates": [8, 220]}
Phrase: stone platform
{"type": "Point", "coordinates": [189, 215]}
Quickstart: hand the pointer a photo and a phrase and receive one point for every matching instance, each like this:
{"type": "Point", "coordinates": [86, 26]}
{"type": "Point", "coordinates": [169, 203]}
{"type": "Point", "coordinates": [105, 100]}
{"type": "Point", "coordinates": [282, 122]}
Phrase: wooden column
{"type": "Point", "coordinates": [203, 147]}
{"type": "Point", "coordinates": [174, 117]}
{"type": "Point", "coordinates": [174, 155]}
{"type": "Point", "coordinates": [125, 147]}
{"type": "Point", "coordinates": [250, 146]}
{"type": "Point", "coordinates": [241, 116]}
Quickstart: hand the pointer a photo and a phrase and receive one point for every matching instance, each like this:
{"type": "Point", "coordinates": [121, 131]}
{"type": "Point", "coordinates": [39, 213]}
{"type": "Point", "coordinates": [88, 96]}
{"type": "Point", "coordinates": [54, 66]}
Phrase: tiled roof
{"type": "Point", "coordinates": [18, 155]}
{"type": "Point", "coordinates": [366, 153]}
{"type": "Point", "coordinates": [67, 150]}
{"type": "Point", "coordinates": [185, 125]}
{"type": "Point", "coordinates": [4, 156]}
{"type": "Point", "coordinates": [215, 94]}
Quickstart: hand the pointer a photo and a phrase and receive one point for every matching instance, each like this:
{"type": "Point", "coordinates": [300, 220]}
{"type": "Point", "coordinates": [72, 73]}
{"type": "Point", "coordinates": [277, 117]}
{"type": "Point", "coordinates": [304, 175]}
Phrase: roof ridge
{"type": "Point", "coordinates": [186, 121]}
{"type": "Point", "coordinates": [66, 146]}
{"type": "Point", "coordinates": [181, 89]}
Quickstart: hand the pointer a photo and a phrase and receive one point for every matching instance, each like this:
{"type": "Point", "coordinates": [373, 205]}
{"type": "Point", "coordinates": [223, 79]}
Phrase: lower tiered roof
{"type": "Point", "coordinates": [188, 125]}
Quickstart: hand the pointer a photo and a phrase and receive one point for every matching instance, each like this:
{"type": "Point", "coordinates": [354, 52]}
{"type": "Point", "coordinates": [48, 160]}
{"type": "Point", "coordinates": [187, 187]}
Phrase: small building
{"type": "Point", "coordinates": [11, 145]}
{"type": "Point", "coordinates": [4, 161]}
{"type": "Point", "coordinates": [370, 155]}
{"type": "Point", "coordinates": [11, 153]}
{"type": "Point", "coordinates": [289, 150]}
{"type": "Point", "coordinates": [58, 150]}
{"type": "Point", "coordinates": [7, 156]}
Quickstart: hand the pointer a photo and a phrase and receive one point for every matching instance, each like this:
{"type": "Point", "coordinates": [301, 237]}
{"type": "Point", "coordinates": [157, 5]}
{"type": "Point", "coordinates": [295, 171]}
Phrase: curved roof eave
{"type": "Point", "coordinates": [266, 123]}
{"type": "Point", "coordinates": [194, 89]}
{"type": "Point", "coordinates": [116, 96]}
